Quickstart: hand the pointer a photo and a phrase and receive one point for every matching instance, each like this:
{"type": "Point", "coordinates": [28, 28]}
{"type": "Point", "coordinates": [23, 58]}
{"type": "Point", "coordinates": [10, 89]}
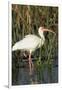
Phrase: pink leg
{"type": "Point", "coordinates": [30, 64]}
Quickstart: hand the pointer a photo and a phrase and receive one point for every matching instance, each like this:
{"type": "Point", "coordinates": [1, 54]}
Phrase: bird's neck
{"type": "Point", "coordinates": [41, 34]}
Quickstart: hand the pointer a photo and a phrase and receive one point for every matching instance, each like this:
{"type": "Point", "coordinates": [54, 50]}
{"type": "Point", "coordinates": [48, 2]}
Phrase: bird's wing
{"type": "Point", "coordinates": [27, 43]}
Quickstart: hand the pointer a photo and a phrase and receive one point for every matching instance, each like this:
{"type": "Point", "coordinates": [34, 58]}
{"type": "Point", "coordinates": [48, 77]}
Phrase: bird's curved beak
{"type": "Point", "coordinates": [49, 31]}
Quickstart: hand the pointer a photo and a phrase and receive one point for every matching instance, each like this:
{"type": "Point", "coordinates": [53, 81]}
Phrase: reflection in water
{"type": "Point", "coordinates": [21, 76]}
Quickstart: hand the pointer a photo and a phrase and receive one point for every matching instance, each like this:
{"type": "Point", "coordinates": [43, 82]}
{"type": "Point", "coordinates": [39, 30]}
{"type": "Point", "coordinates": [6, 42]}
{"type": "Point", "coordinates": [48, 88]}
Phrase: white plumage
{"type": "Point", "coordinates": [29, 43]}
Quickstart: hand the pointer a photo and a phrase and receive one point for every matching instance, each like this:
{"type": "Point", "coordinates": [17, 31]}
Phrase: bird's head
{"type": "Point", "coordinates": [42, 29]}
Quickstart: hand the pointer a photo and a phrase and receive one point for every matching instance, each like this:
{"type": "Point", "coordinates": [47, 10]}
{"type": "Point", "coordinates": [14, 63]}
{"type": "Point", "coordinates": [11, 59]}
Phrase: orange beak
{"type": "Point", "coordinates": [49, 31]}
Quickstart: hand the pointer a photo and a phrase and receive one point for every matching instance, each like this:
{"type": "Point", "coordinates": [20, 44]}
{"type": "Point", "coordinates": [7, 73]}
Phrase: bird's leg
{"type": "Point", "coordinates": [24, 54]}
{"type": "Point", "coordinates": [30, 63]}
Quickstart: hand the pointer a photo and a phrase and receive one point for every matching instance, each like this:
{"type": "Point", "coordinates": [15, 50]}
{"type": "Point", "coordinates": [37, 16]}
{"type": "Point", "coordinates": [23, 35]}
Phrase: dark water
{"type": "Point", "coordinates": [21, 76]}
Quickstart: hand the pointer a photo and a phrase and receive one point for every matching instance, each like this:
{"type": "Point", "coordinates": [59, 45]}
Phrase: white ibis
{"type": "Point", "coordinates": [30, 43]}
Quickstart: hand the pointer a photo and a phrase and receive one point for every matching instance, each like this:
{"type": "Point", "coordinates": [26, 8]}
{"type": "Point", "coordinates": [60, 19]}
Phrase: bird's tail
{"type": "Point", "coordinates": [15, 47]}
